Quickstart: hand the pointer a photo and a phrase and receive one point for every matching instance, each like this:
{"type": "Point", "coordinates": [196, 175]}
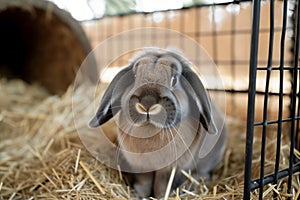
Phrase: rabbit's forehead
{"type": "Point", "coordinates": [157, 70]}
{"type": "Point", "coordinates": [171, 63]}
{"type": "Point", "coordinates": [165, 64]}
{"type": "Point", "coordinates": [153, 74]}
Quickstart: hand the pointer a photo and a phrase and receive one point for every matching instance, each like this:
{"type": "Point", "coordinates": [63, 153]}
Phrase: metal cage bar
{"type": "Point", "coordinates": [266, 99]}
{"type": "Point", "coordinates": [280, 110]}
{"type": "Point", "coordinates": [294, 97]}
{"type": "Point", "coordinates": [251, 97]}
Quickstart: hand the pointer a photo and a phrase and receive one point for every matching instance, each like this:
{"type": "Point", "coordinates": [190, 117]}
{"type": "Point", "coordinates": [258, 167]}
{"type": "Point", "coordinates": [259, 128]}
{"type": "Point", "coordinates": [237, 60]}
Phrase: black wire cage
{"type": "Point", "coordinates": [292, 119]}
{"type": "Point", "coordinates": [257, 49]}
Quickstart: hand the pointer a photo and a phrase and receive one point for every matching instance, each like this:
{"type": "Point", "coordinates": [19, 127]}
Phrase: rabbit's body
{"type": "Point", "coordinates": [155, 183]}
{"type": "Point", "coordinates": [164, 115]}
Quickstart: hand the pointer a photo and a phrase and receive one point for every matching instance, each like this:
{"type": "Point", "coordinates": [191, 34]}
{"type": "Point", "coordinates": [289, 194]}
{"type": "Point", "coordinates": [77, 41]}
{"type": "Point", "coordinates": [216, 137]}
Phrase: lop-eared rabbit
{"type": "Point", "coordinates": [160, 101]}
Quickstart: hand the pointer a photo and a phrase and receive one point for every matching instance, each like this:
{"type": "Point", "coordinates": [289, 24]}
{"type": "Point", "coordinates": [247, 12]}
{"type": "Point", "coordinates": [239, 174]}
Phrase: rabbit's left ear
{"type": "Point", "coordinates": [201, 98]}
{"type": "Point", "coordinates": [111, 100]}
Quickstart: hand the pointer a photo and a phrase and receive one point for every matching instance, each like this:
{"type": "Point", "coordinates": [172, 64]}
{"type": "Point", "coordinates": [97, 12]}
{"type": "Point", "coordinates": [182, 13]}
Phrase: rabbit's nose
{"type": "Point", "coordinates": [140, 108]}
{"type": "Point", "coordinates": [153, 110]}
{"type": "Point", "coordinates": [148, 101]}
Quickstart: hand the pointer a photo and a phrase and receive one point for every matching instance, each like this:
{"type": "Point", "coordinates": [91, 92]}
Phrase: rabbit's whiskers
{"type": "Point", "coordinates": [187, 148]}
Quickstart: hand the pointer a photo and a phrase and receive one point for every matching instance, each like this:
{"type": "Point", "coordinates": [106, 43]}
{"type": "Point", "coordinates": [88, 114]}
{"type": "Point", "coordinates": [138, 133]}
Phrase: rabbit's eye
{"type": "Point", "coordinates": [173, 81]}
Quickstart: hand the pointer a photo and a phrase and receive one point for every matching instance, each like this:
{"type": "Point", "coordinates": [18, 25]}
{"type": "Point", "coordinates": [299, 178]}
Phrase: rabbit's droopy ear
{"type": "Point", "coordinates": [201, 98]}
{"type": "Point", "coordinates": [112, 100]}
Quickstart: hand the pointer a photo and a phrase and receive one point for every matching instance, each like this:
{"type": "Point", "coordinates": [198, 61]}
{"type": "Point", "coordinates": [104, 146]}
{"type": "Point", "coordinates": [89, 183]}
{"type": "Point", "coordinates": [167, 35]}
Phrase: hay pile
{"type": "Point", "coordinates": [41, 155]}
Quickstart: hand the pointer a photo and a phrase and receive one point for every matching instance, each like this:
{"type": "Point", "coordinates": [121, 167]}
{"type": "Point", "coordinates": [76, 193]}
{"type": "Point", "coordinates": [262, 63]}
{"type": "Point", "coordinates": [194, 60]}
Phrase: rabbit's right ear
{"type": "Point", "coordinates": [111, 100]}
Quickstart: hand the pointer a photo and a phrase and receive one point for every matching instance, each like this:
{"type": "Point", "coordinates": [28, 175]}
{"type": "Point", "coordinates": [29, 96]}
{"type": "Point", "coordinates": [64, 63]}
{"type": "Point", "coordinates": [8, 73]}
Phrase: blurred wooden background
{"type": "Point", "coordinates": [224, 31]}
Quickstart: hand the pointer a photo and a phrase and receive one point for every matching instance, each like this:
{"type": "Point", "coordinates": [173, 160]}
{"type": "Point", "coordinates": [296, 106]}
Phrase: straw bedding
{"type": "Point", "coordinates": [42, 157]}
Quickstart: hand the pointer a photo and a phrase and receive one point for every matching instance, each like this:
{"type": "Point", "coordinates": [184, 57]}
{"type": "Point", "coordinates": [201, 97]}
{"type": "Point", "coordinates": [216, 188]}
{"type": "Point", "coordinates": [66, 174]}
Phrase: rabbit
{"type": "Point", "coordinates": [159, 101]}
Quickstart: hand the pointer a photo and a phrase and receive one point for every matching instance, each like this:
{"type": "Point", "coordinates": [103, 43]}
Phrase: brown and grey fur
{"type": "Point", "coordinates": [155, 110]}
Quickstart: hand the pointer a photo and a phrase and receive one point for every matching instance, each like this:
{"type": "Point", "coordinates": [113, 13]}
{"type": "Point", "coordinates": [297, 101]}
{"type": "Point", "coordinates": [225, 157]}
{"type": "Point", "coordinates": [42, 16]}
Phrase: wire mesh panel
{"type": "Point", "coordinates": [285, 128]}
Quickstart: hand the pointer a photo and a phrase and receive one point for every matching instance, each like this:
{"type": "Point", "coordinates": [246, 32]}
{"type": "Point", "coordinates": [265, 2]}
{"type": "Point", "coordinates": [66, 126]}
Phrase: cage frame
{"type": "Point", "coordinates": [294, 165]}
